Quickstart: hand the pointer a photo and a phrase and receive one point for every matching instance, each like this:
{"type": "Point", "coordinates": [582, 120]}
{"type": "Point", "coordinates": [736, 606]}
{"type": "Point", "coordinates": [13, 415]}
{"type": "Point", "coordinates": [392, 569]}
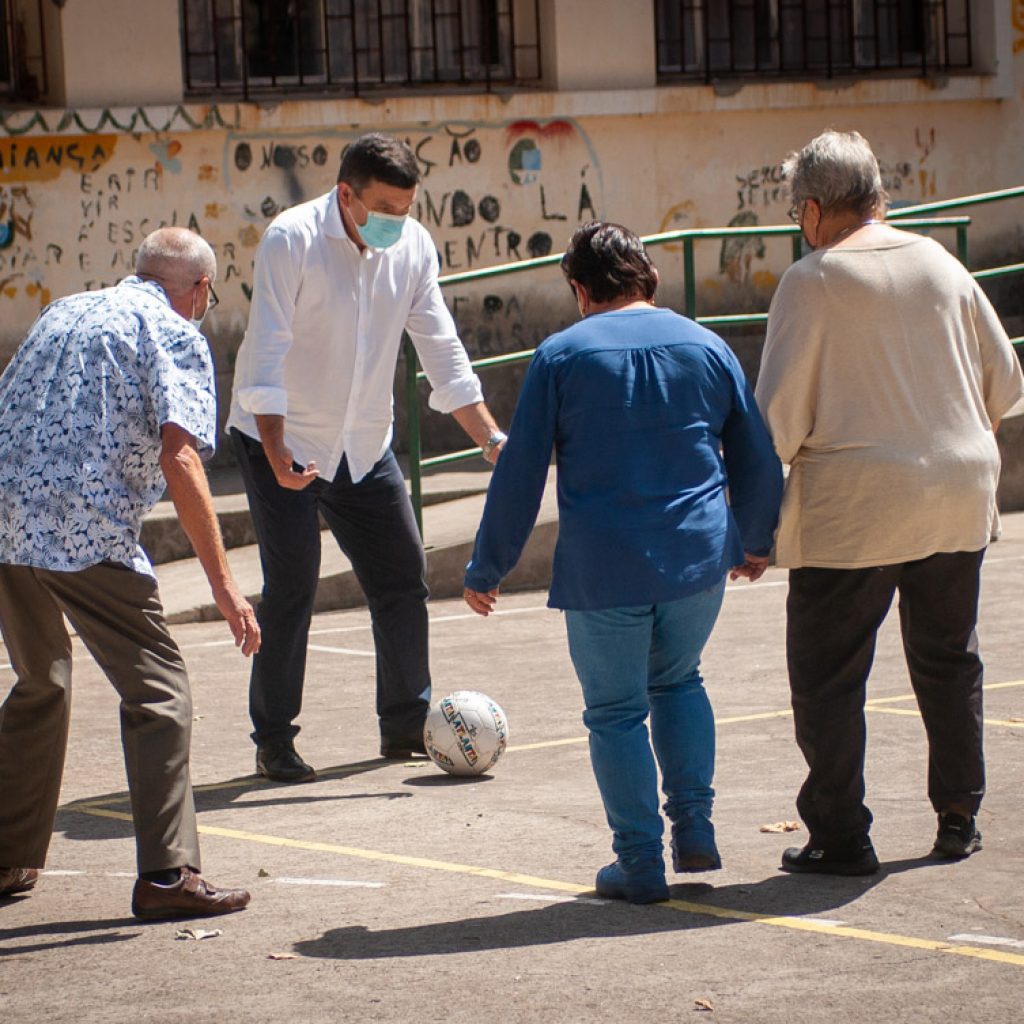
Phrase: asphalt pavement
{"type": "Point", "coordinates": [389, 891]}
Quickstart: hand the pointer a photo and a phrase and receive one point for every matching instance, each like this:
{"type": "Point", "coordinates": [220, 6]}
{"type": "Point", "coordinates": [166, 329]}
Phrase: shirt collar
{"type": "Point", "coordinates": [334, 226]}
{"type": "Point", "coordinates": [134, 281]}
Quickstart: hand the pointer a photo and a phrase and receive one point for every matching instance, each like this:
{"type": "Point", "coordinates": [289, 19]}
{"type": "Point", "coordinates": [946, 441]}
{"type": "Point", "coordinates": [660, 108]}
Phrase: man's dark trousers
{"type": "Point", "coordinates": [373, 523]}
{"type": "Point", "coordinates": [833, 616]}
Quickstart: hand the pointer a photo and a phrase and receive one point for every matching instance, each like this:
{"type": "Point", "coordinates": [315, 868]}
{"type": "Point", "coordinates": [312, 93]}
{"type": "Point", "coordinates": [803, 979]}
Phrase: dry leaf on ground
{"type": "Point", "coordinates": [197, 933]}
{"type": "Point", "coordinates": [703, 1004]}
{"type": "Point", "coordinates": [782, 826]}
{"type": "Point", "coordinates": [282, 956]}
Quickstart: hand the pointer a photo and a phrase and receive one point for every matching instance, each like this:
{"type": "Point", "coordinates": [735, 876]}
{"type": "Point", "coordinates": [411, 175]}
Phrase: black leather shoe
{"type": "Point", "coordinates": [400, 748]}
{"type": "Point", "coordinates": [278, 761]}
{"type": "Point", "coordinates": [857, 857]}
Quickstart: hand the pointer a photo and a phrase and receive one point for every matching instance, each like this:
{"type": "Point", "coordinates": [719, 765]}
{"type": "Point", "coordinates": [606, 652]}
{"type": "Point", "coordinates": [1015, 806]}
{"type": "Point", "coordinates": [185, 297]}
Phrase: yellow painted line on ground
{"type": "Point", "coordinates": [718, 721]}
{"type": "Point", "coordinates": [1008, 722]}
{"type": "Point", "coordinates": [910, 696]}
{"type": "Point", "coordinates": [701, 909]}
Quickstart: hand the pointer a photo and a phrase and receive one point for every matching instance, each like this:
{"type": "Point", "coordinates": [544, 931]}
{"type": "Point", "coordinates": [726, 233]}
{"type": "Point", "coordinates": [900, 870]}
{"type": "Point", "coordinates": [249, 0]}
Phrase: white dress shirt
{"type": "Point", "coordinates": [324, 333]}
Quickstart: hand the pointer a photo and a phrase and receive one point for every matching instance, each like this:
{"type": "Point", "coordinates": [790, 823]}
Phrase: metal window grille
{"type": "Point", "coordinates": [703, 40]}
{"type": "Point", "coordinates": [355, 46]}
{"type": "Point", "coordinates": [22, 50]}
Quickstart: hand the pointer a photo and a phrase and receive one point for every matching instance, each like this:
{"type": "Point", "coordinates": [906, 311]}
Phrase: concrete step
{"type": "Point", "coordinates": [165, 541]}
{"type": "Point", "coordinates": [449, 529]}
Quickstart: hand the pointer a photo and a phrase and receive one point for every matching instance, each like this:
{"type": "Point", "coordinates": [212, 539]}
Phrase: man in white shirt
{"type": "Point", "coordinates": [336, 281]}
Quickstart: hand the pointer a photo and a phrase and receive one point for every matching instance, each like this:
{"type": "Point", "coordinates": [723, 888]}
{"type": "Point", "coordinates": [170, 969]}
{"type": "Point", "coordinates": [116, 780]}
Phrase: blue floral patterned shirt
{"type": "Point", "coordinates": [81, 407]}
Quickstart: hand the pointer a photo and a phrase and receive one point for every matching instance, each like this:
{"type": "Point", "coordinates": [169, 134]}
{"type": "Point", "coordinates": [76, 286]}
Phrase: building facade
{"type": "Point", "coordinates": [527, 117]}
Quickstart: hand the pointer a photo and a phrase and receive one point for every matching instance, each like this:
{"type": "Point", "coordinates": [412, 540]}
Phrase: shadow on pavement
{"type": "Point", "coordinates": [566, 921]}
{"type": "Point", "coordinates": [55, 928]}
{"type": "Point", "coordinates": [75, 821]}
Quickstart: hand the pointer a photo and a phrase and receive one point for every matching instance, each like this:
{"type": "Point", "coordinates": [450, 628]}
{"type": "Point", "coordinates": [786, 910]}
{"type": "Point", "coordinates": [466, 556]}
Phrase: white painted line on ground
{"type": "Point", "coordinates": [542, 897]}
{"type": "Point", "coordinates": [120, 874]}
{"type": "Point", "coordinates": [58, 871]}
{"type": "Point", "coordinates": [500, 611]}
{"type": "Point", "coordinates": [988, 940]}
{"type": "Point", "coordinates": [827, 921]}
{"type": "Point", "coordinates": [340, 882]}
{"type": "Point", "coordinates": [363, 626]}
{"type": "Point", "coordinates": [342, 650]}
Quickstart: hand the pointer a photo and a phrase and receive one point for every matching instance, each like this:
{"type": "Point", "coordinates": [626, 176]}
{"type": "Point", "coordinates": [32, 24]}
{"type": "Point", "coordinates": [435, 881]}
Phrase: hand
{"type": "Point", "coordinates": [753, 567]}
{"type": "Point", "coordinates": [491, 456]}
{"type": "Point", "coordinates": [282, 463]}
{"type": "Point", "coordinates": [482, 604]}
{"type": "Point", "coordinates": [241, 618]}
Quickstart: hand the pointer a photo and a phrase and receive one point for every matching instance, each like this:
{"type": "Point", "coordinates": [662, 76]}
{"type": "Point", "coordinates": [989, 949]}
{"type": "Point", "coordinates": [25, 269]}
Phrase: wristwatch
{"type": "Point", "coordinates": [491, 443]}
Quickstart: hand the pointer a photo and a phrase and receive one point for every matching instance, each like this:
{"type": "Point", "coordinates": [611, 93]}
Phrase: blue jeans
{"type": "Point", "coordinates": [643, 660]}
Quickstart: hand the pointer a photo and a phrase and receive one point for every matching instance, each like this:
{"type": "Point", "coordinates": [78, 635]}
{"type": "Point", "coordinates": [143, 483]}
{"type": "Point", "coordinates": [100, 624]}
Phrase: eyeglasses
{"type": "Point", "coordinates": [795, 212]}
{"type": "Point", "coordinates": [213, 301]}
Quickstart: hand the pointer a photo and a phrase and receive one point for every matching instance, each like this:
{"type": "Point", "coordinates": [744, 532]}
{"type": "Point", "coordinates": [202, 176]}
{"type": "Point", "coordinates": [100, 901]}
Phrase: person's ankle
{"type": "Point", "coordinates": [168, 876]}
{"type": "Point", "coordinates": [962, 809]}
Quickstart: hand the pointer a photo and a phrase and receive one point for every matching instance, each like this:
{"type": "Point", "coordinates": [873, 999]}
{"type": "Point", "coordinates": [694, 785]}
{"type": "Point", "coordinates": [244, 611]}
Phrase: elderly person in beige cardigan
{"type": "Point", "coordinates": [884, 377]}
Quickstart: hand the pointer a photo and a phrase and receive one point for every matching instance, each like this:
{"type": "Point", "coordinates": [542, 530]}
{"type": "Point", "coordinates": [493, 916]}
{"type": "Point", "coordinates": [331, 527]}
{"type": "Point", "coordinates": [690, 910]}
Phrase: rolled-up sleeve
{"type": "Point", "coordinates": [442, 355]}
{"type": "Point", "coordinates": [276, 278]}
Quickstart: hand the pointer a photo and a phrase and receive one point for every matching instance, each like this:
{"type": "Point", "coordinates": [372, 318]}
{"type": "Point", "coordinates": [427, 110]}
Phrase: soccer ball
{"type": "Point", "coordinates": [465, 733]}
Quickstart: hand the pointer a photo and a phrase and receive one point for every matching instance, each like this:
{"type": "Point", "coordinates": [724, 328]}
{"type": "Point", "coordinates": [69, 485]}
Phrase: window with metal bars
{"type": "Point", "coordinates": [355, 46]}
{"type": "Point", "coordinates": [22, 50]}
{"type": "Point", "coordinates": [703, 40]}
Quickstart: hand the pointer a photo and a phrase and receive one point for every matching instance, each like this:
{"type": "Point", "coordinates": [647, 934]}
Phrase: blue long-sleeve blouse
{"type": "Point", "coordinates": [666, 473]}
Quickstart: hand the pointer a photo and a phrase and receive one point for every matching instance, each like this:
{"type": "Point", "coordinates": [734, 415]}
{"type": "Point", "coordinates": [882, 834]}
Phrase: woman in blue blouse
{"type": "Point", "coordinates": [667, 480]}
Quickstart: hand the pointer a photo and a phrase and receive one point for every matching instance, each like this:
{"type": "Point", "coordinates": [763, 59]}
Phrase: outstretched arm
{"type": "Point", "coordinates": [190, 492]}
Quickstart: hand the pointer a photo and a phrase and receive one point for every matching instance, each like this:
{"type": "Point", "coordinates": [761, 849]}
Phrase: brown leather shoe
{"type": "Point", "coordinates": [190, 896]}
{"type": "Point", "coordinates": [15, 880]}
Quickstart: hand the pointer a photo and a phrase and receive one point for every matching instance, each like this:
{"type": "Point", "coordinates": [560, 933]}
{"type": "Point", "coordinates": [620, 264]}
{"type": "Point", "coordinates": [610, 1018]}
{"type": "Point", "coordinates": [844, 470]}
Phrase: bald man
{"type": "Point", "coordinates": [109, 400]}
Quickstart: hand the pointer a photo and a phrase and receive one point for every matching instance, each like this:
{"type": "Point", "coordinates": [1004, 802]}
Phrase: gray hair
{"type": "Point", "coordinates": [839, 171]}
{"type": "Point", "coordinates": [176, 257]}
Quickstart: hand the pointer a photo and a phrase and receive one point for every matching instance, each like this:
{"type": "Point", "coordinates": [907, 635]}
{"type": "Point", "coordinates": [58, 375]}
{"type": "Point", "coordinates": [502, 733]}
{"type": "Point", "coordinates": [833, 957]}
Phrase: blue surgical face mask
{"type": "Point", "coordinates": [382, 229]}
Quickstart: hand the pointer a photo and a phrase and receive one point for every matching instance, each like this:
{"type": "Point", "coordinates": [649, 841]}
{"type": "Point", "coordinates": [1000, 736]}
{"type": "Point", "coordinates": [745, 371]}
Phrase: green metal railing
{"type": "Point", "coordinates": [909, 217]}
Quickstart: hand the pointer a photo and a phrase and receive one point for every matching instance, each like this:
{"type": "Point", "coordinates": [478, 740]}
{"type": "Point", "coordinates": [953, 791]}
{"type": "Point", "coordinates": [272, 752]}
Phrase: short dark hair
{"type": "Point", "coordinates": [378, 157]}
{"type": "Point", "coordinates": [609, 261]}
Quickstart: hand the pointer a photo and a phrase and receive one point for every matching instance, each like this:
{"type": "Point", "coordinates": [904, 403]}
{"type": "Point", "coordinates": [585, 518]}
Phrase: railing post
{"type": "Point", "coordinates": [798, 246]}
{"type": "Point", "coordinates": [689, 280]}
{"type": "Point", "coordinates": [961, 243]}
{"type": "Point", "coordinates": [412, 413]}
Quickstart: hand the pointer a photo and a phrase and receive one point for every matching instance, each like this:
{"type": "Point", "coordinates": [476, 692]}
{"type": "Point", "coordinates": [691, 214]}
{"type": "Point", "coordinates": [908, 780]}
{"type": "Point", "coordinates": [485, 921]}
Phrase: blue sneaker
{"type": "Point", "coordinates": [641, 883]}
{"type": "Point", "coordinates": [693, 845]}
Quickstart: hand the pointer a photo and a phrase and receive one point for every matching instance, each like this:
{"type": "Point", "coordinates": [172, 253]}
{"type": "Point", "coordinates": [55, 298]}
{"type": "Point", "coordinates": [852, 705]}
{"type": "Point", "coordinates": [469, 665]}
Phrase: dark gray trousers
{"type": "Point", "coordinates": [373, 523]}
{"type": "Point", "coordinates": [118, 615]}
{"type": "Point", "coordinates": [833, 617]}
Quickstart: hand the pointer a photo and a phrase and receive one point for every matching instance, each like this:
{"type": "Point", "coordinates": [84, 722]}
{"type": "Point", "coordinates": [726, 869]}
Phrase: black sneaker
{"type": "Point", "coordinates": [280, 762]}
{"type": "Point", "coordinates": [857, 857]}
{"type": "Point", "coordinates": [957, 837]}
{"type": "Point", "coordinates": [402, 748]}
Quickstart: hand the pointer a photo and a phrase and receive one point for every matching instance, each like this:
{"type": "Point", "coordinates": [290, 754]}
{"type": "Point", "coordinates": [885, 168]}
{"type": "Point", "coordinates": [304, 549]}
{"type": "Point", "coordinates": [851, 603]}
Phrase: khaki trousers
{"type": "Point", "coordinates": [117, 614]}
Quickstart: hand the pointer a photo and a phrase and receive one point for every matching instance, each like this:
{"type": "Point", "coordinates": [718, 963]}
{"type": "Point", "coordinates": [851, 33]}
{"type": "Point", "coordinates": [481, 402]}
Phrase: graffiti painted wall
{"type": "Point", "coordinates": [78, 193]}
